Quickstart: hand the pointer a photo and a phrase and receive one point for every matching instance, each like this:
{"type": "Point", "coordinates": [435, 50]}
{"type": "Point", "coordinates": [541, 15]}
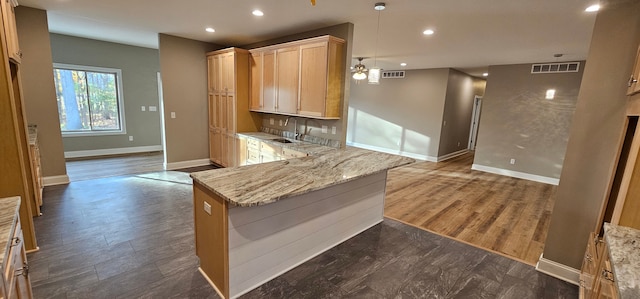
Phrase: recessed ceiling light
{"type": "Point", "coordinates": [485, 74]}
{"type": "Point", "coordinates": [257, 13]}
{"type": "Point", "coordinates": [403, 64]}
{"type": "Point", "coordinates": [209, 29]}
{"type": "Point", "coordinates": [428, 32]}
{"type": "Point", "coordinates": [592, 8]}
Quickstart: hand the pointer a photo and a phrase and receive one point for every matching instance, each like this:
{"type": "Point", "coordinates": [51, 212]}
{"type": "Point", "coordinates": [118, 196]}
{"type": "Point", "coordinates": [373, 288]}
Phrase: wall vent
{"type": "Point", "coordinates": [560, 67]}
{"type": "Point", "coordinates": [392, 74]}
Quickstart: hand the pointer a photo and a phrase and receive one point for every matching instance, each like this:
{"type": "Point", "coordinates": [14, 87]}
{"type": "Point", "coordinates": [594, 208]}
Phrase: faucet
{"type": "Point", "coordinates": [296, 133]}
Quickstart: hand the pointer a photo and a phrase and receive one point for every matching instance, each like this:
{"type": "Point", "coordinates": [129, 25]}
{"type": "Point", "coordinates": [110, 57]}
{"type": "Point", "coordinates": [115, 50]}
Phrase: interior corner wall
{"type": "Point", "coordinates": [517, 122]}
{"type": "Point", "coordinates": [596, 132]}
{"type": "Point", "coordinates": [38, 89]}
{"type": "Point", "coordinates": [458, 108]}
{"type": "Point", "coordinates": [139, 66]}
{"type": "Point", "coordinates": [183, 65]}
{"type": "Point", "coordinates": [401, 116]}
{"type": "Point", "coordinates": [343, 31]}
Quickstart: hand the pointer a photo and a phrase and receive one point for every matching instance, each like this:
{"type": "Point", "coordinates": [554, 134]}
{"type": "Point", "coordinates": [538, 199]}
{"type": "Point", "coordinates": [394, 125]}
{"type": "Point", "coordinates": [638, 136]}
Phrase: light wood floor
{"type": "Point", "coordinates": [502, 214]}
{"type": "Point", "coordinates": [87, 169]}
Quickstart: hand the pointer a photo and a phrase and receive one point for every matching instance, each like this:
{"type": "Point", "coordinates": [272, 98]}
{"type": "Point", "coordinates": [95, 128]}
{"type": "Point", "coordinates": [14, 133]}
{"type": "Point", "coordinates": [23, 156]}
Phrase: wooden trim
{"type": "Point", "coordinates": [296, 43]}
{"type": "Point", "coordinates": [626, 177]}
{"type": "Point", "coordinates": [212, 245]}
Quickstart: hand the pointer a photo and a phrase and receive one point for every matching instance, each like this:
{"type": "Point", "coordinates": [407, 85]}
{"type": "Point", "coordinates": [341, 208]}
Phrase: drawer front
{"type": "Point", "coordinates": [252, 143]}
{"type": "Point", "coordinates": [12, 256]}
{"type": "Point", "coordinates": [268, 148]}
{"type": "Point", "coordinates": [253, 157]}
{"type": "Point", "coordinates": [289, 153]}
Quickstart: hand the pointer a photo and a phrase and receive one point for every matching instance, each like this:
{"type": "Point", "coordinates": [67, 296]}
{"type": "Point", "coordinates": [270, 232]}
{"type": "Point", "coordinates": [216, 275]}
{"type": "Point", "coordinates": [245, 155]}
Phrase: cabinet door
{"type": "Point", "coordinates": [215, 146]}
{"type": "Point", "coordinates": [211, 104]}
{"type": "Point", "coordinates": [269, 81]}
{"type": "Point", "coordinates": [213, 64]}
{"type": "Point", "coordinates": [230, 113]}
{"type": "Point", "coordinates": [227, 72]}
{"type": "Point", "coordinates": [634, 85]}
{"type": "Point", "coordinates": [255, 65]}
{"type": "Point", "coordinates": [10, 29]}
{"type": "Point", "coordinates": [211, 67]}
{"type": "Point", "coordinates": [287, 64]}
{"type": "Point", "coordinates": [313, 79]}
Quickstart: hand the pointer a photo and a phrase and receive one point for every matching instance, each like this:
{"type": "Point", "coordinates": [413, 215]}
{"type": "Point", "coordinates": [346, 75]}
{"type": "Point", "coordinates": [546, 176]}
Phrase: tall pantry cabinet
{"type": "Point", "coordinates": [228, 92]}
{"type": "Point", "coordinates": [17, 177]}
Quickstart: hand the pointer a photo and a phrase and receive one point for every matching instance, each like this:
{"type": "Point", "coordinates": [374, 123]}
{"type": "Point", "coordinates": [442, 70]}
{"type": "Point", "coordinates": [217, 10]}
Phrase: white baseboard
{"type": "Point", "coordinates": [186, 164]}
{"type": "Point", "coordinates": [55, 180]}
{"type": "Point", "coordinates": [517, 174]}
{"type": "Point", "coordinates": [113, 151]}
{"type": "Point", "coordinates": [558, 270]}
{"type": "Point", "coordinates": [452, 155]}
{"type": "Point", "coordinates": [393, 152]}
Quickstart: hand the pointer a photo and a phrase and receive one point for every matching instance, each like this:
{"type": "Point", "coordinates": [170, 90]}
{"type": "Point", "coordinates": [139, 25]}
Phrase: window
{"type": "Point", "coordinates": [89, 100]}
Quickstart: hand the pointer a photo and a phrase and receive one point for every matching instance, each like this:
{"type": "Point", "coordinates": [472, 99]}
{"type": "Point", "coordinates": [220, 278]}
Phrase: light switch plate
{"type": "Point", "coordinates": [143, 108]}
{"type": "Point", "coordinates": [207, 208]}
{"type": "Point", "coordinates": [333, 130]}
{"type": "Point", "coordinates": [271, 121]}
{"type": "Point", "coordinates": [173, 115]}
{"type": "Point", "coordinates": [153, 108]}
{"type": "Point", "coordinates": [325, 129]}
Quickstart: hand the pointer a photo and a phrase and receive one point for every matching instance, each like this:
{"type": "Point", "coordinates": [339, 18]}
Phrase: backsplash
{"type": "Point", "coordinates": [303, 137]}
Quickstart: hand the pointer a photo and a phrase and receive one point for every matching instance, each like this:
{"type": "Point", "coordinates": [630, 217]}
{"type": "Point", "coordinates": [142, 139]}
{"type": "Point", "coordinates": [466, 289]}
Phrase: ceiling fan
{"type": "Point", "coordinates": [359, 70]}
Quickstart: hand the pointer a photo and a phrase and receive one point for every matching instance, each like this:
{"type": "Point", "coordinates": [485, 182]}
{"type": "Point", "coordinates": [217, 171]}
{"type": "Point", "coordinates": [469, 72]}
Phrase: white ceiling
{"type": "Point", "coordinates": [470, 34]}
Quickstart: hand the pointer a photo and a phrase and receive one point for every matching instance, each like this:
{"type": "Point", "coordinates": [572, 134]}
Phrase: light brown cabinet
{"type": "Point", "coordinates": [15, 269]}
{"type": "Point", "coordinates": [634, 85]}
{"type": "Point", "coordinates": [17, 177]}
{"type": "Point", "coordinates": [596, 277]}
{"type": "Point", "coordinates": [10, 29]}
{"type": "Point", "coordinates": [228, 101]}
{"type": "Point", "coordinates": [309, 78]}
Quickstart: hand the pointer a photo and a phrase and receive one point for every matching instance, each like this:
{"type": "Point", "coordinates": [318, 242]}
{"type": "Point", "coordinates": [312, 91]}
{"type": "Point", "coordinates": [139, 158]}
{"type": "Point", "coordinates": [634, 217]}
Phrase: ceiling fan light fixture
{"type": "Point", "coordinates": [379, 6]}
{"type": "Point", "coordinates": [359, 75]}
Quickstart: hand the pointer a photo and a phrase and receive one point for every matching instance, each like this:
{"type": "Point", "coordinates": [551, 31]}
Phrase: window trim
{"type": "Point", "coordinates": [118, 72]}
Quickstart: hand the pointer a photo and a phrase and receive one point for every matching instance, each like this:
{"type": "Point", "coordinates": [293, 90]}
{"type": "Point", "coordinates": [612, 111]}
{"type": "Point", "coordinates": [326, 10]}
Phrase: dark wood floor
{"type": "Point", "coordinates": [503, 214]}
{"type": "Point", "coordinates": [132, 237]}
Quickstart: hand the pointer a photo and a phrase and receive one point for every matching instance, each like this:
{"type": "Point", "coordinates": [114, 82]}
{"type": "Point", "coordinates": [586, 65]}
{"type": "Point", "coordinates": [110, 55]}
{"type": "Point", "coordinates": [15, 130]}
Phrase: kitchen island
{"type": "Point", "coordinates": [255, 222]}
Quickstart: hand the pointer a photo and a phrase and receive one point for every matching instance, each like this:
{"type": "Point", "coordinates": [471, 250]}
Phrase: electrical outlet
{"type": "Point", "coordinates": [143, 108]}
{"type": "Point", "coordinates": [173, 115]}
{"type": "Point", "coordinates": [458, 143]}
{"type": "Point", "coordinates": [280, 122]}
{"type": "Point", "coordinates": [325, 129]}
{"type": "Point", "coordinates": [513, 161]}
{"type": "Point", "coordinates": [207, 208]}
{"type": "Point", "coordinates": [333, 130]}
{"type": "Point", "coordinates": [130, 138]}
{"type": "Point", "coordinates": [153, 108]}
{"type": "Point", "coordinates": [271, 121]}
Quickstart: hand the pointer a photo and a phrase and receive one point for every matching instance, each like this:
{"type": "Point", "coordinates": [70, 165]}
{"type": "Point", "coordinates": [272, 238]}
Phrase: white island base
{"type": "Point", "coordinates": [241, 248]}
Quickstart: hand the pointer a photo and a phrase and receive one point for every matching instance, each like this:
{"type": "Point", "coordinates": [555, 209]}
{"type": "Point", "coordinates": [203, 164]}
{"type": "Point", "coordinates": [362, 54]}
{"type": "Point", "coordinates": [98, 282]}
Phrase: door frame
{"type": "Point", "coordinates": [475, 122]}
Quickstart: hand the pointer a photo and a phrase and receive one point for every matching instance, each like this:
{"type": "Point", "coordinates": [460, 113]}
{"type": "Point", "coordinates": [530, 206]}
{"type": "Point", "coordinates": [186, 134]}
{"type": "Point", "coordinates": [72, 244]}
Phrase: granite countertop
{"type": "Point", "coordinates": [265, 183]}
{"type": "Point", "coordinates": [624, 250]}
{"type": "Point", "coordinates": [8, 212]}
{"type": "Point", "coordinates": [301, 146]}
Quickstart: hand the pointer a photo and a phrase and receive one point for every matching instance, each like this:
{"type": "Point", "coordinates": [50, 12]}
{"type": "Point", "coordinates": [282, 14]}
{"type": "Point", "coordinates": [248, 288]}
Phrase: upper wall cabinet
{"type": "Point", "coordinates": [634, 85]}
{"type": "Point", "coordinates": [303, 78]}
{"type": "Point", "coordinates": [10, 29]}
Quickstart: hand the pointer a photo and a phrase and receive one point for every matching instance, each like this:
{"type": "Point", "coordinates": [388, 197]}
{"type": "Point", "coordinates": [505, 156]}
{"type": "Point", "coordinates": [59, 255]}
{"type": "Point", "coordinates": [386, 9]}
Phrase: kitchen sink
{"type": "Point", "coordinates": [282, 140]}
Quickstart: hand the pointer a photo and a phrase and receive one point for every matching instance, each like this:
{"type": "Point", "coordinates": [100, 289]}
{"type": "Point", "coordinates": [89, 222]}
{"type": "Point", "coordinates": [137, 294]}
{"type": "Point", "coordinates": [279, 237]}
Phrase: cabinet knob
{"type": "Point", "coordinates": [588, 257]}
{"type": "Point", "coordinates": [632, 81]}
{"type": "Point", "coordinates": [15, 241]}
{"type": "Point", "coordinates": [608, 275]}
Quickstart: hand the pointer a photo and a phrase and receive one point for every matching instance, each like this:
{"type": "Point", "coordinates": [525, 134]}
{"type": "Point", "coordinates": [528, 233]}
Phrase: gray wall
{"type": "Point", "coordinates": [595, 132]}
{"type": "Point", "coordinates": [139, 87]}
{"type": "Point", "coordinates": [184, 87]}
{"type": "Point", "coordinates": [400, 115]}
{"type": "Point", "coordinates": [458, 108]}
{"type": "Point", "coordinates": [38, 88]}
{"type": "Point", "coordinates": [343, 31]}
{"type": "Point", "coordinates": [518, 122]}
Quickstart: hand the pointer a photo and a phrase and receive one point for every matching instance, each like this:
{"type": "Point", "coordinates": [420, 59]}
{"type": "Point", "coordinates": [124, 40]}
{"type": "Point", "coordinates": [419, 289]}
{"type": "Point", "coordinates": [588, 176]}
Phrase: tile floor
{"type": "Point", "coordinates": [132, 237]}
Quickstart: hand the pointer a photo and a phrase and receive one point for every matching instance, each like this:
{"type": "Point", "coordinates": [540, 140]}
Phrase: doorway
{"type": "Point", "coordinates": [475, 122]}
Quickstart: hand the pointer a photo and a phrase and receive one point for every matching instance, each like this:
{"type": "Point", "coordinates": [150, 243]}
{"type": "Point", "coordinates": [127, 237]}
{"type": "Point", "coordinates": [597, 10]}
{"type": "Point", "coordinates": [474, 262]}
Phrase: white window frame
{"type": "Point", "coordinates": [118, 72]}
